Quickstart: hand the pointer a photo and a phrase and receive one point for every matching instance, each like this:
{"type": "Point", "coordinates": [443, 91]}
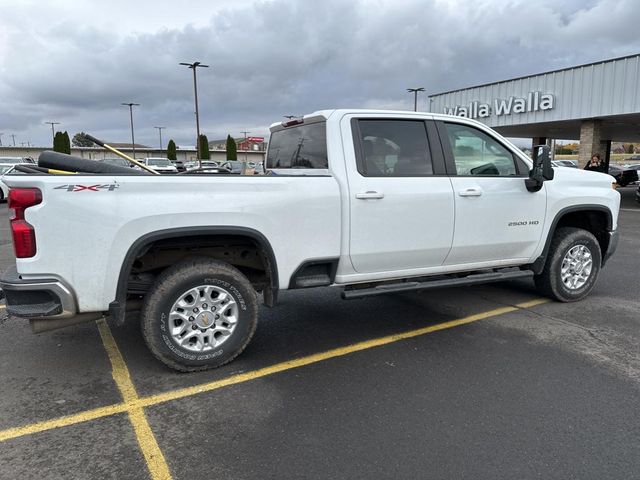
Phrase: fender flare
{"type": "Point", "coordinates": [538, 265]}
{"type": "Point", "coordinates": [117, 307]}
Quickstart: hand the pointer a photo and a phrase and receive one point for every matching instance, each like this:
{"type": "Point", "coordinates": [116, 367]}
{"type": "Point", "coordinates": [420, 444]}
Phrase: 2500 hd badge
{"type": "Point", "coordinates": [523, 223]}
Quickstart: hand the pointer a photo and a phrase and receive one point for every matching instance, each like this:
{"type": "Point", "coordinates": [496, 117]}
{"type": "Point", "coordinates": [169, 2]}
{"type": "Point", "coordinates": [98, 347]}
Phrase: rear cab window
{"type": "Point", "coordinates": [302, 147]}
{"type": "Point", "coordinates": [393, 148]}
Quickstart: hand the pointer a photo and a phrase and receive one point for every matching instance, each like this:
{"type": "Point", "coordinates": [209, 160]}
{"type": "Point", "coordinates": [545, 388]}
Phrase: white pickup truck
{"type": "Point", "coordinates": [370, 201]}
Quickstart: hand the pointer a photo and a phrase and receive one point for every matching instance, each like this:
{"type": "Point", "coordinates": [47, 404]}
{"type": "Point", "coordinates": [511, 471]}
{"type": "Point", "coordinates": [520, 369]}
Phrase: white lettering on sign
{"type": "Point", "coordinates": [533, 102]}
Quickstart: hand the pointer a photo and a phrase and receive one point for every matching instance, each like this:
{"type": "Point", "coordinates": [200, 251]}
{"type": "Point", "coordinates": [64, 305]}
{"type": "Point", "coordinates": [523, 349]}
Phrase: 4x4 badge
{"type": "Point", "coordinates": [91, 188]}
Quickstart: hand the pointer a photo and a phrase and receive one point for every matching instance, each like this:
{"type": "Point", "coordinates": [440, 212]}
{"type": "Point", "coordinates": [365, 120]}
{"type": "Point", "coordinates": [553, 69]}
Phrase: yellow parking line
{"type": "Point", "coordinates": [63, 421]}
{"type": "Point", "coordinates": [337, 352]}
{"type": "Point", "coordinates": [156, 462]}
{"type": "Point", "coordinates": [136, 403]}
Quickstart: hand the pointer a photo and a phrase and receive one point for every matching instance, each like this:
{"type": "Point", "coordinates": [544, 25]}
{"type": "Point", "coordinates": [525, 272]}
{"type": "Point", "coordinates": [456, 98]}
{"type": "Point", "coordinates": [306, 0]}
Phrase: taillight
{"type": "Point", "coordinates": [24, 236]}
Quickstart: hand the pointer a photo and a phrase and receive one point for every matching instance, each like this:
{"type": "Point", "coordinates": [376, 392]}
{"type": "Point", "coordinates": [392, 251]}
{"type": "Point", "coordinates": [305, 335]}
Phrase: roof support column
{"type": "Point", "coordinates": [590, 141]}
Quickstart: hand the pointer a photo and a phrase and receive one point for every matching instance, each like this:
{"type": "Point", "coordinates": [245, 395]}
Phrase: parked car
{"type": "Point", "coordinates": [179, 164]}
{"type": "Point", "coordinates": [15, 160]}
{"type": "Point", "coordinates": [567, 163]}
{"type": "Point", "coordinates": [161, 165]}
{"type": "Point", "coordinates": [119, 162]}
{"type": "Point", "coordinates": [623, 176]}
{"type": "Point", "coordinates": [4, 190]}
{"type": "Point", "coordinates": [7, 169]}
{"type": "Point", "coordinates": [635, 167]}
{"type": "Point", "coordinates": [190, 165]}
{"type": "Point", "coordinates": [202, 164]}
{"type": "Point", "coordinates": [236, 166]}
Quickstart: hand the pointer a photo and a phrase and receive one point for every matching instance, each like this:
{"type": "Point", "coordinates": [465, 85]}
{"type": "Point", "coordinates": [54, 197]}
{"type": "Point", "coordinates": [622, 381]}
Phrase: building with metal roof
{"type": "Point", "coordinates": [596, 103]}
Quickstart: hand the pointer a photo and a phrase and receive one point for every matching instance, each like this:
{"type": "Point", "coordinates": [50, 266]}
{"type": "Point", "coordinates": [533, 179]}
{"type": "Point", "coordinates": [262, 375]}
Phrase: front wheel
{"type": "Point", "coordinates": [199, 314]}
{"type": "Point", "coordinates": [572, 265]}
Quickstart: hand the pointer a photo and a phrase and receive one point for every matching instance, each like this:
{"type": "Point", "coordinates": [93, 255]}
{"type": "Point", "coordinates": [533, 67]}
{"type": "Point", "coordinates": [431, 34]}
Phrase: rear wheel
{"type": "Point", "coordinates": [199, 314]}
{"type": "Point", "coordinates": [572, 265]}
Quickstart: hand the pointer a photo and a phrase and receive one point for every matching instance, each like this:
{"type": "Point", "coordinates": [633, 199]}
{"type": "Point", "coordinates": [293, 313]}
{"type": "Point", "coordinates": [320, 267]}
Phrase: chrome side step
{"type": "Point", "coordinates": [477, 278]}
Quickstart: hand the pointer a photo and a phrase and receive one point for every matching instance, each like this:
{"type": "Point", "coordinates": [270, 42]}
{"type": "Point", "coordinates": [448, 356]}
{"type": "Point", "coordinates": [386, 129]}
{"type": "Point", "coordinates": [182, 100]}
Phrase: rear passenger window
{"type": "Point", "coordinates": [476, 153]}
{"type": "Point", "coordinates": [394, 148]}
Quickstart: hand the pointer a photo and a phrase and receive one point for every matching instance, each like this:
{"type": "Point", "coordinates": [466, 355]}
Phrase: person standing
{"type": "Point", "coordinates": [595, 164]}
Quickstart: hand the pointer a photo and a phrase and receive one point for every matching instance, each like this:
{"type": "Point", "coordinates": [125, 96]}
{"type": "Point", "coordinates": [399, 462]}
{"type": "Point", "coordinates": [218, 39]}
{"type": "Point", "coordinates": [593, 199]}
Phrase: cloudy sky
{"type": "Point", "coordinates": [75, 62]}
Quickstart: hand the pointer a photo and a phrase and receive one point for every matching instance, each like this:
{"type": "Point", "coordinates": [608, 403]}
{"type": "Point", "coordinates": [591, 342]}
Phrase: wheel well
{"type": "Point", "coordinates": [245, 249]}
{"type": "Point", "coordinates": [242, 252]}
{"type": "Point", "coordinates": [595, 221]}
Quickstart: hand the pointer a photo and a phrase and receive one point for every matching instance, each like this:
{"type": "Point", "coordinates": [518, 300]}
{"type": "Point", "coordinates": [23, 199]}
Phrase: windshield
{"type": "Point", "coordinates": [159, 162]}
{"type": "Point", "coordinates": [5, 168]}
{"type": "Point", "coordinates": [304, 146]}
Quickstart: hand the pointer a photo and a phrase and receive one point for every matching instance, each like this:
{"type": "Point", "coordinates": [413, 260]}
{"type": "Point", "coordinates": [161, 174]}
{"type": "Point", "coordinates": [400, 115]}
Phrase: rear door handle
{"type": "Point", "coordinates": [470, 192]}
{"type": "Point", "coordinates": [369, 195]}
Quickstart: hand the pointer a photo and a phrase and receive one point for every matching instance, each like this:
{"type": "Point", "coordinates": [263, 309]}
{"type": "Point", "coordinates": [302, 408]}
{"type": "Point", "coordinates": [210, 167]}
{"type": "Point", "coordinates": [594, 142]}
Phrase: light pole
{"type": "Point", "coordinates": [160, 132]}
{"type": "Point", "coordinates": [415, 96]}
{"type": "Point", "coordinates": [1, 139]}
{"type": "Point", "coordinates": [193, 66]}
{"type": "Point", "coordinates": [13, 136]}
{"type": "Point", "coordinates": [53, 132]}
{"type": "Point", "coordinates": [133, 141]}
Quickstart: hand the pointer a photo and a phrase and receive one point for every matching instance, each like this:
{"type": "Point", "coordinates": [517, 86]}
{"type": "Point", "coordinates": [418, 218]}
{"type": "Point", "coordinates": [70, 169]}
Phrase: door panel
{"type": "Point", "coordinates": [500, 221]}
{"type": "Point", "coordinates": [411, 227]}
{"type": "Point", "coordinates": [401, 214]}
{"type": "Point", "coordinates": [497, 218]}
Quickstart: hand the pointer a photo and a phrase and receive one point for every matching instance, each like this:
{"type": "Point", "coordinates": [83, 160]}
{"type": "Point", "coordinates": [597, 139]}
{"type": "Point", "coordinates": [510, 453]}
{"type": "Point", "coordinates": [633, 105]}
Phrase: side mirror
{"type": "Point", "coordinates": [542, 169]}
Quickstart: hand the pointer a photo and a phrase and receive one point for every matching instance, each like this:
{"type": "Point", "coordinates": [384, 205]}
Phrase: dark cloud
{"type": "Point", "coordinates": [278, 57]}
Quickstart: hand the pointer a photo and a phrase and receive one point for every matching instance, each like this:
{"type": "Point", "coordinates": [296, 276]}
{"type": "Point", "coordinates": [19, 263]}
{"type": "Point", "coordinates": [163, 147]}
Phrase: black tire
{"type": "Point", "coordinates": [171, 286]}
{"type": "Point", "coordinates": [550, 282]}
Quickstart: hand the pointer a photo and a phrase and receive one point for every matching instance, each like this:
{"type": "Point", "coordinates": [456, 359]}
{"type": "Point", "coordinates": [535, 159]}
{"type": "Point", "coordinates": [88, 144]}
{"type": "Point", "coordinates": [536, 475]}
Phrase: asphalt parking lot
{"type": "Point", "coordinates": [483, 382]}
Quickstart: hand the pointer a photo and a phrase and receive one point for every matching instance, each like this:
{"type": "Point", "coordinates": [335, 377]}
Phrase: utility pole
{"type": "Point", "coordinates": [53, 132]}
{"type": "Point", "coordinates": [193, 66]}
{"type": "Point", "coordinates": [415, 96]}
{"type": "Point", "coordinates": [160, 132]}
{"type": "Point", "coordinates": [13, 136]}
{"type": "Point", "coordinates": [1, 139]}
{"type": "Point", "coordinates": [133, 141]}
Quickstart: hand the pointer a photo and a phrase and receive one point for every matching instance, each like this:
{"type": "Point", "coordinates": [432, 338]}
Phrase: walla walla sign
{"type": "Point", "coordinates": [533, 102]}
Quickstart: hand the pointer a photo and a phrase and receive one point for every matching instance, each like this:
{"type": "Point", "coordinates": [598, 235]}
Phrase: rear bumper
{"type": "Point", "coordinates": [47, 298]}
{"type": "Point", "coordinates": [614, 237]}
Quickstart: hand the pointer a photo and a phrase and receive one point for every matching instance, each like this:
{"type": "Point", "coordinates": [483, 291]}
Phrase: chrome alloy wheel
{"type": "Point", "coordinates": [203, 318]}
{"type": "Point", "coordinates": [576, 267]}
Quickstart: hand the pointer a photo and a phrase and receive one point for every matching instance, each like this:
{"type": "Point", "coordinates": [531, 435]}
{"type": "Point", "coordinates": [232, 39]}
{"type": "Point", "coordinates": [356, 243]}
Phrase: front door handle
{"type": "Point", "coordinates": [369, 195]}
{"type": "Point", "coordinates": [470, 192]}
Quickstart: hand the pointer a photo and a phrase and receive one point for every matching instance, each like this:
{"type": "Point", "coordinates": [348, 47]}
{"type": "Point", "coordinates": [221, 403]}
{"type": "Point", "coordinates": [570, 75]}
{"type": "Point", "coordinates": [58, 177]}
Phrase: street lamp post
{"type": "Point", "coordinates": [133, 141]}
{"type": "Point", "coordinates": [1, 139]}
{"type": "Point", "coordinates": [13, 137]}
{"type": "Point", "coordinates": [415, 96]}
{"type": "Point", "coordinates": [53, 132]}
{"type": "Point", "coordinates": [193, 66]}
{"type": "Point", "coordinates": [160, 132]}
